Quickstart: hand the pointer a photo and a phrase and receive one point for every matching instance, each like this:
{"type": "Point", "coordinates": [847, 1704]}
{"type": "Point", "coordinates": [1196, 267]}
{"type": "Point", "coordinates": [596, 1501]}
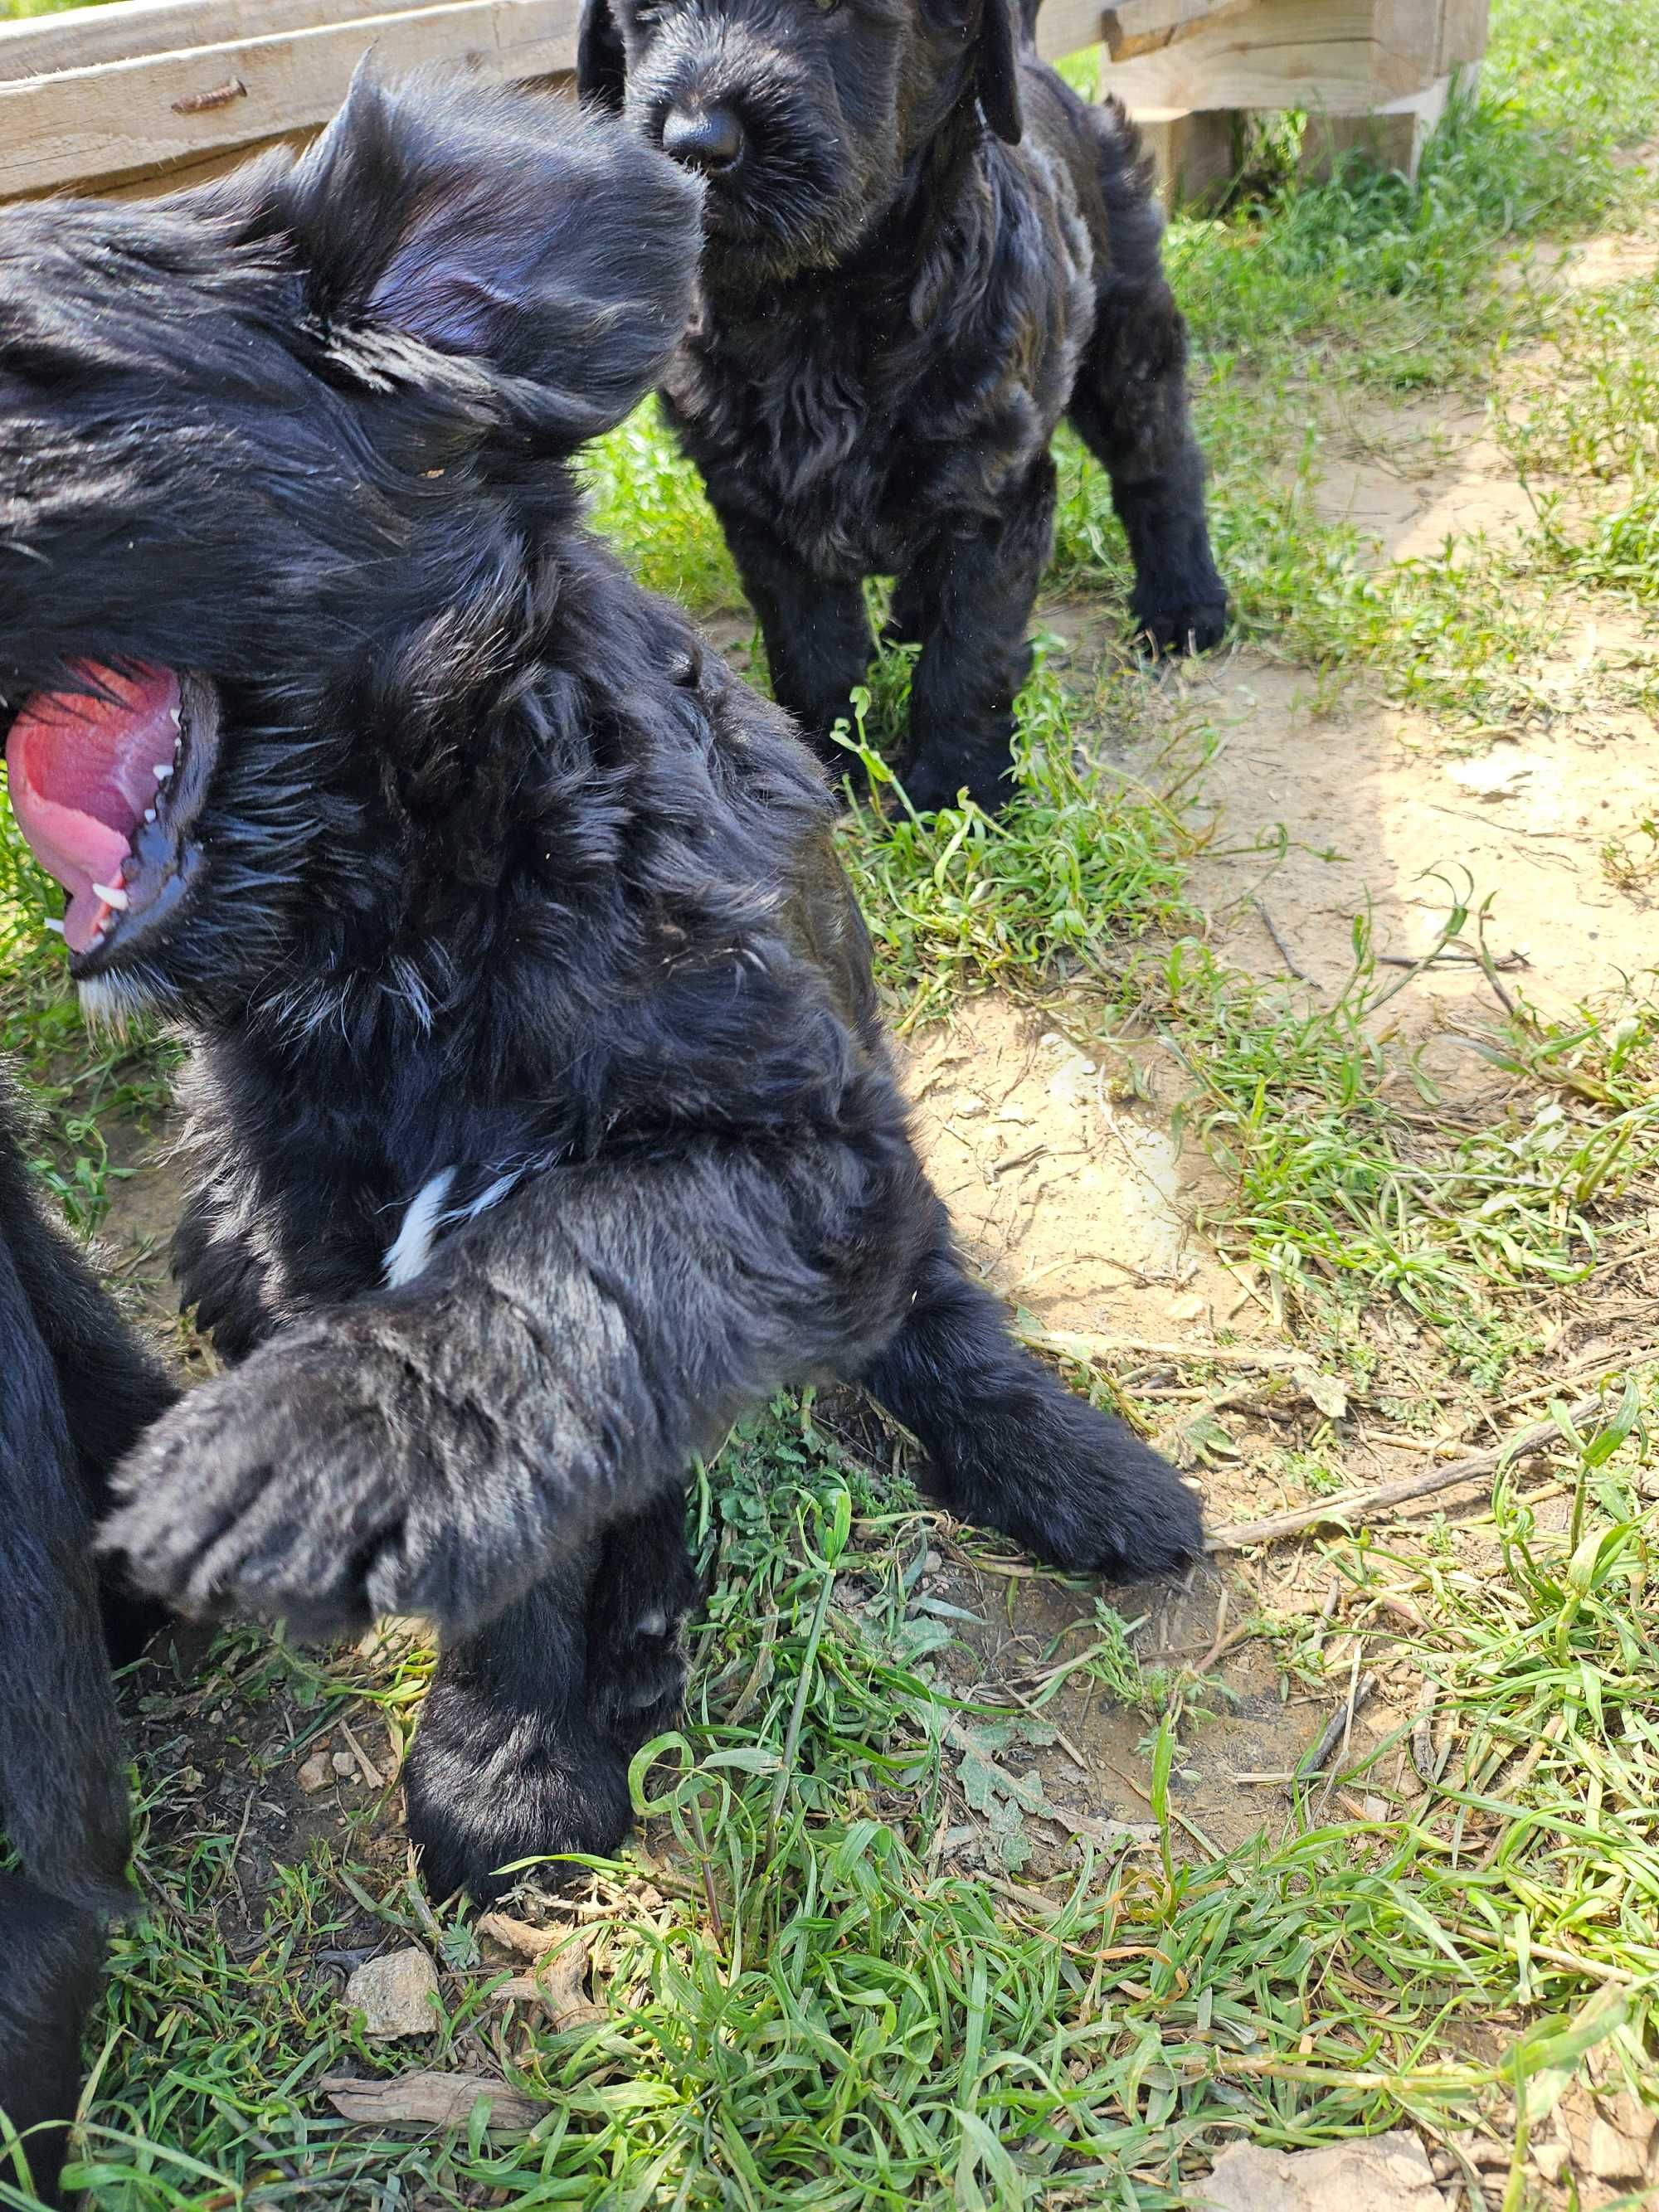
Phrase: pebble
{"type": "Point", "coordinates": [395, 1994]}
{"type": "Point", "coordinates": [314, 1773]}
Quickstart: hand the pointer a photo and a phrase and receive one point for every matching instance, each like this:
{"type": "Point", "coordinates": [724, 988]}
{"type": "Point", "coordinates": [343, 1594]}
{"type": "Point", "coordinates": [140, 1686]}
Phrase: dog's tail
{"type": "Point", "coordinates": [62, 1791]}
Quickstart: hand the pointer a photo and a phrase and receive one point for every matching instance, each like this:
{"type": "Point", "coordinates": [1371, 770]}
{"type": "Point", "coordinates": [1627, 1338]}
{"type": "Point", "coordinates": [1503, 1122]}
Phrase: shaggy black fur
{"type": "Point", "coordinates": [922, 250]}
{"type": "Point", "coordinates": [76, 1389]}
{"type": "Point", "coordinates": [543, 1116]}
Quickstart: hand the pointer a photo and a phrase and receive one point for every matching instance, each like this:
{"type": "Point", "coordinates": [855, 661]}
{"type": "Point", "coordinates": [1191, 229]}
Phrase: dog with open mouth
{"type": "Point", "coordinates": [543, 1115]}
{"type": "Point", "coordinates": [922, 251]}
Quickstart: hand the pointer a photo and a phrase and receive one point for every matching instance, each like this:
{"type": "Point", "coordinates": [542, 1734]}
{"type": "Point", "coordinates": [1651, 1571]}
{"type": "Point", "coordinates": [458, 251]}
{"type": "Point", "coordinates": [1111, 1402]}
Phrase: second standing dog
{"type": "Point", "coordinates": [921, 251]}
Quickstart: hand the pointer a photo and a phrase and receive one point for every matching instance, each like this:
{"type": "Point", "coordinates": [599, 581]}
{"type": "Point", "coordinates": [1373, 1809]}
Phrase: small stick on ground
{"type": "Point", "coordinates": [1337, 1727]}
{"type": "Point", "coordinates": [1366, 1504]}
{"type": "Point", "coordinates": [1285, 952]}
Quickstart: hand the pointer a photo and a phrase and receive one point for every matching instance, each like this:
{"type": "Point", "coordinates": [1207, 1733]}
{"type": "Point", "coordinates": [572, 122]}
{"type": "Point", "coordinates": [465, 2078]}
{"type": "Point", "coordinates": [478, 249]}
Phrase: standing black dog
{"type": "Point", "coordinates": [76, 1389]}
{"type": "Point", "coordinates": [922, 249]}
{"type": "Point", "coordinates": [543, 1116]}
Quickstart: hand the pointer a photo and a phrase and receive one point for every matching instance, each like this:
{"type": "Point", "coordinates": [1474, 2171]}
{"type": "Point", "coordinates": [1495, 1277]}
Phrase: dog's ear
{"type": "Point", "coordinates": [996, 78]}
{"type": "Point", "coordinates": [550, 247]}
{"type": "Point", "coordinates": [601, 58]}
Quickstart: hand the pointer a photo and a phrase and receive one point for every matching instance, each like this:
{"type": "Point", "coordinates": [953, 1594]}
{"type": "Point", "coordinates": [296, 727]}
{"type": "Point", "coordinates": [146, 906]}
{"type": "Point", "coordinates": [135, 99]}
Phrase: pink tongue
{"type": "Point", "coordinates": [81, 771]}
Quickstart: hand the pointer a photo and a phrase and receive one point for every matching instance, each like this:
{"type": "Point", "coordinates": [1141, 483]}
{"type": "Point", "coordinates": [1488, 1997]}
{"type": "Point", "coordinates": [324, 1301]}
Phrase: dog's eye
{"type": "Point", "coordinates": [826, 7]}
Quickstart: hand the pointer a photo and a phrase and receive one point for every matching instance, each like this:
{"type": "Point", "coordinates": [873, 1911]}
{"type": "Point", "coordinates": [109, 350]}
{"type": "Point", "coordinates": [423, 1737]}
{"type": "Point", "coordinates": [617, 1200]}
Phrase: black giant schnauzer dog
{"type": "Point", "coordinates": [76, 1390]}
{"type": "Point", "coordinates": [544, 1115]}
{"type": "Point", "coordinates": [922, 250]}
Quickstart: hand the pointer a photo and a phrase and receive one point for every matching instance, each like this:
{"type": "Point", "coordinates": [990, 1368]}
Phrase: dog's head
{"type": "Point", "coordinates": [273, 446]}
{"type": "Point", "coordinates": [803, 116]}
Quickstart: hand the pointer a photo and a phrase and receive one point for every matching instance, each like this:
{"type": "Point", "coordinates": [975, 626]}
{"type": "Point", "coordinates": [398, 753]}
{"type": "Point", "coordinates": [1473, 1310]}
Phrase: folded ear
{"type": "Point", "coordinates": [548, 246]}
{"type": "Point", "coordinates": [601, 58]}
{"type": "Point", "coordinates": [996, 78]}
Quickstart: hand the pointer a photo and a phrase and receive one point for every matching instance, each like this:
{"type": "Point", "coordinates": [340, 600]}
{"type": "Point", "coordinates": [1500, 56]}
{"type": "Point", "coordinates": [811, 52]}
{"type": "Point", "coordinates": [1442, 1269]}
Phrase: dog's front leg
{"type": "Point", "coordinates": [1129, 407]}
{"type": "Point", "coordinates": [817, 630]}
{"type": "Point", "coordinates": [439, 1448]}
{"type": "Point", "coordinates": [969, 598]}
{"type": "Point", "coordinates": [526, 1733]}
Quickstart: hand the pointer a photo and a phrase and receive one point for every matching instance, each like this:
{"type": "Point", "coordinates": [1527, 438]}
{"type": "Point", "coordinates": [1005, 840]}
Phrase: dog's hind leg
{"type": "Point", "coordinates": [1011, 1449]}
{"type": "Point", "coordinates": [527, 1730]}
{"type": "Point", "coordinates": [1129, 407]}
{"type": "Point", "coordinates": [969, 599]}
{"type": "Point", "coordinates": [50, 1953]}
{"type": "Point", "coordinates": [818, 642]}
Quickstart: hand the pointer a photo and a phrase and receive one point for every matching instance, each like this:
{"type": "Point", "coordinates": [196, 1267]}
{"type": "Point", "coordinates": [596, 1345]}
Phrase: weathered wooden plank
{"type": "Point", "coordinates": [1463, 32]}
{"type": "Point", "coordinates": [1407, 34]}
{"type": "Point", "coordinates": [1066, 26]}
{"type": "Point", "coordinates": [1393, 136]}
{"type": "Point", "coordinates": [86, 36]}
{"type": "Point", "coordinates": [1319, 54]}
{"type": "Point", "coordinates": [159, 109]}
{"type": "Point", "coordinates": [1141, 26]}
{"type": "Point", "coordinates": [1193, 155]}
{"type": "Point", "coordinates": [146, 93]}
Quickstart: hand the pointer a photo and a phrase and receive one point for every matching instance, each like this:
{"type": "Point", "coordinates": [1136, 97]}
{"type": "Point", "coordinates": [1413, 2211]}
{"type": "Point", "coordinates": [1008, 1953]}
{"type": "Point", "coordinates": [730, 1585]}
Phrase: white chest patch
{"type": "Point", "coordinates": [412, 1248]}
{"type": "Point", "coordinates": [429, 1215]}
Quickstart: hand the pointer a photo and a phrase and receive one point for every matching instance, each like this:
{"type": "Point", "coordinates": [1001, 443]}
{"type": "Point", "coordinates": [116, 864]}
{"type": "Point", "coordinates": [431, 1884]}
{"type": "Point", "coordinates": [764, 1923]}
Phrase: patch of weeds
{"type": "Point", "coordinates": [1631, 863]}
{"type": "Point", "coordinates": [648, 497]}
{"type": "Point", "coordinates": [957, 901]}
{"type": "Point", "coordinates": [1346, 1197]}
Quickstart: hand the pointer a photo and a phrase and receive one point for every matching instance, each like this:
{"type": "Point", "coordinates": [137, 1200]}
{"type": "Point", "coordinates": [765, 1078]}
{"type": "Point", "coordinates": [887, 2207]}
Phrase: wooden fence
{"type": "Point", "coordinates": [143, 94]}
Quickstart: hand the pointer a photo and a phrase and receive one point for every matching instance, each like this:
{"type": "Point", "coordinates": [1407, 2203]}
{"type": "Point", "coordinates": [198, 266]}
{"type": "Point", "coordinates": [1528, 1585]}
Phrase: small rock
{"type": "Point", "coordinates": [314, 1773]}
{"type": "Point", "coordinates": [931, 1564]}
{"type": "Point", "coordinates": [343, 1763]}
{"type": "Point", "coordinates": [1551, 2158]}
{"type": "Point", "coordinates": [1383, 2173]}
{"type": "Point", "coordinates": [395, 1994]}
{"type": "Point", "coordinates": [1618, 2153]}
{"type": "Point", "coordinates": [1187, 1307]}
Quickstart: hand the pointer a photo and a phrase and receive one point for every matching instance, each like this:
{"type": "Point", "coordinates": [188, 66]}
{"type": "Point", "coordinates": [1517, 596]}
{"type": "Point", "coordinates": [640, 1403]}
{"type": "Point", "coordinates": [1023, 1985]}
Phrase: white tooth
{"type": "Point", "coordinates": [149, 814]}
{"type": "Point", "coordinates": [176, 720]}
{"type": "Point", "coordinates": [54, 926]}
{"type": "Point", "coordinates": [163, 770]}
{"type": "Point", "coordinates": [111, 895]}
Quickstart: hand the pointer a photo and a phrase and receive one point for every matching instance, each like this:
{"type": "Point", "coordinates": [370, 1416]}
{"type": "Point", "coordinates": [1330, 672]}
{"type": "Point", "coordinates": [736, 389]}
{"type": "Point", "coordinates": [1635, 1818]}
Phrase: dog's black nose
{"type": "Point", "coordinates": [706, 138]}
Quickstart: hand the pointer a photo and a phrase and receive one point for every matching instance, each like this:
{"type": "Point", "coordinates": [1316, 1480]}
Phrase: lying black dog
{"type": "Point", "coordinates": [544, 1117]}
{"type": "Point", "coordinates": [76, 1389]}
{"type": "Point", "coordinates": [922, 250]}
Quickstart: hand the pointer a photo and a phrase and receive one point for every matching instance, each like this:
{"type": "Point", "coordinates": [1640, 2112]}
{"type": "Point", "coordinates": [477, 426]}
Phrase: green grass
{"type": "Point", "coordinates": [830, 1976]}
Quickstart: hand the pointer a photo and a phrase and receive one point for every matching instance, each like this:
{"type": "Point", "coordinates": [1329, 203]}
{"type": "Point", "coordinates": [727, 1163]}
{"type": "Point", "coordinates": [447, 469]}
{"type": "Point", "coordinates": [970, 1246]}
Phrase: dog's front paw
{"type": "Point", "coordinates": [1113, 1507]}
{"type": "Point", "coordinates": [1199, 627]}
{"type": "Point", "coordinates": [486, 1789]}
{"type": "Point", "coordinates": [937, 776]}
{"type": "Point", "coordinates": [1073, 1485]}
{"type": "Point", "coordinates": [298, 1485]}
{"type": "Point", "coordinates": [262, 1489]}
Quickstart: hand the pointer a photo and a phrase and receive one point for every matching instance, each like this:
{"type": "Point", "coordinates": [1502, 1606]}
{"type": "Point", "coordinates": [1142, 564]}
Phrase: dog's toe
{"type": "Point", "coordinates": [1169, 632]}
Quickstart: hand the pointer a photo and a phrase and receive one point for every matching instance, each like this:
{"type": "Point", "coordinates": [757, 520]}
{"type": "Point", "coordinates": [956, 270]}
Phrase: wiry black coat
{"type": "Point", "coordinates": [76, 1389]}
{"type": "Point", "coordinates": [923, 249]}
{"type": "Point", "coordinates": [544, 1116]}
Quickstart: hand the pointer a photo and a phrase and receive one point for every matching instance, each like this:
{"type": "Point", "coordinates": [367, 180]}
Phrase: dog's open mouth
{"type": "Point", "coordinates": [105, 783]}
